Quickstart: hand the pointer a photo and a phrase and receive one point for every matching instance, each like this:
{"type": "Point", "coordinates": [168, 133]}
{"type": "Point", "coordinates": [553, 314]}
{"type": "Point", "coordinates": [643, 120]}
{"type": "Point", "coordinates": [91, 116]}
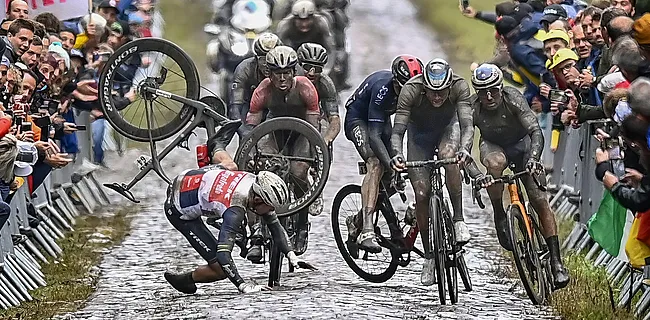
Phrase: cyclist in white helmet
{"type": "Point", "coordinates": [215, 192]}
{"type": "Point", "coordinates": [428, 107]}
{"type": "Point", "coordinates": [510, 133]}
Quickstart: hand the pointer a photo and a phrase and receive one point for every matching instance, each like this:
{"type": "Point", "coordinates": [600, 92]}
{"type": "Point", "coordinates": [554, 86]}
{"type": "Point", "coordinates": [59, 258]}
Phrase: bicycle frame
{"type": "Point", "coordinates": [513, 190]}
{"type": "Point", "coordinates": [204, 114]}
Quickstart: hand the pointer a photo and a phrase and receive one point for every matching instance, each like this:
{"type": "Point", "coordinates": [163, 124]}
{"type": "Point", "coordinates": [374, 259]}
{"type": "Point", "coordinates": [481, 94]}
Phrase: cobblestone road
{"type": "Point", "coordinates": [132, 287]}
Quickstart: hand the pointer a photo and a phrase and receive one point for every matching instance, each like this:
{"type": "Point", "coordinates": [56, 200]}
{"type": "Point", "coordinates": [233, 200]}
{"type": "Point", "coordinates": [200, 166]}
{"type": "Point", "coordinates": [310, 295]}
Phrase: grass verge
{"type": "Point", "coordinates": [470, 40]}
{"type": "Point", "coordinates": [70, 279]}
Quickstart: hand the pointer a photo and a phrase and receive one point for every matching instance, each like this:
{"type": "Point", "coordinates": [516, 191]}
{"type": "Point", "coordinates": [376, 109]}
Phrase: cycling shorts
{"type": "Point", "coordinates": [517, 153]}
{"type": "Point", "coordinates": [357, 132]}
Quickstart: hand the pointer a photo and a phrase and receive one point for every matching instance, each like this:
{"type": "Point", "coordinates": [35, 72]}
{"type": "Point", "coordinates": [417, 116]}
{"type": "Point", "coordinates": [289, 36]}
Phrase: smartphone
{"type": "Point", "coordinates": [80, 128]}
{"type": "Point", "coordinates": [26, 126]}
{"type": "Point", "coordinates": [18, 121]}
{"type": "Point", "coordinates": [464, 3]}
{"type": "Point", "coordinates": [558, 96]}
{"type": "Point", "coordinates": [42, 122]}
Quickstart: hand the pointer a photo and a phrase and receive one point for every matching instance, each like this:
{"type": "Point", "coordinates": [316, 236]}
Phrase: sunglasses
{"type": "Point", "coordinates": [491, 91]}
{"type": "Point", "coordinates": [308, 67]}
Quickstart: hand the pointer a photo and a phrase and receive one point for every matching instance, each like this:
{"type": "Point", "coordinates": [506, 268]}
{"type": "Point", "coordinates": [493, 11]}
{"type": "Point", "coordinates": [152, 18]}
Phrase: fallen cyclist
{"type": "Point", "coordinates": [216, 192]}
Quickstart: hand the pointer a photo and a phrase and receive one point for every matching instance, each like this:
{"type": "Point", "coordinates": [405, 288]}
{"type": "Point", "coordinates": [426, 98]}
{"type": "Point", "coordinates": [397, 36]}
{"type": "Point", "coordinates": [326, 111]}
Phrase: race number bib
{"type": "Point", "coordinates": [224, 186]}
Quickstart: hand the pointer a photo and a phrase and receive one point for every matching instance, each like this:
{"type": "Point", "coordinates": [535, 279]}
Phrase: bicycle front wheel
{"type": "Point", "coordinates": [275, 265]}
{"type": "Point", "coordinates": [525, 251]}
{"type": "Point", "coordinates": [157, 64]}
{"type": "Point", "coordinates": [294, 150]}
{"type": "Point", "coordinates": [437, 243]}
{"type": "Point", "coordinates": [449, 238]}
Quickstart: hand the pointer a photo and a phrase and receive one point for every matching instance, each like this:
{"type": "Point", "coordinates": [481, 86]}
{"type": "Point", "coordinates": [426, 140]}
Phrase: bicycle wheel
{"type": "Point", "coordinates": [525, 251]}
{"type": "Point", "coordinates": [372, 267]}
{"type": "Point", "coordinates": [150, 62]}
{"type": "Point", "coordinates": [543, 253]}
{"type": "Point", "coordinates": [436, 239]}
{"type": "Point", "coordinates": [449, 238]}
{"type": "Point", "coordinates": [275, 265]}
{"type": "Point", "coordinates": [293, 149]}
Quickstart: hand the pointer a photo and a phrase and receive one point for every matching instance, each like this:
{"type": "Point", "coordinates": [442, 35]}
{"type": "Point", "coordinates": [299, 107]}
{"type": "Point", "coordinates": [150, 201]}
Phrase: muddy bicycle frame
{"type": "Point", "coordinates": [204, 114]}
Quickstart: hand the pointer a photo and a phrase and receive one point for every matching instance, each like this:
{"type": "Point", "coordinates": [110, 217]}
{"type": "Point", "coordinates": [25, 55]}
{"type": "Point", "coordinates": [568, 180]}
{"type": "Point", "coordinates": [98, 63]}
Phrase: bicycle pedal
{"type": "Point", "coordinates": [142, 161]}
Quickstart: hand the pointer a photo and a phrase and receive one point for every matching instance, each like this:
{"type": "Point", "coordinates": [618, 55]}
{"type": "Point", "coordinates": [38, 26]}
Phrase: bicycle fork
{"type": "Point", "coordinates": [514, 199]}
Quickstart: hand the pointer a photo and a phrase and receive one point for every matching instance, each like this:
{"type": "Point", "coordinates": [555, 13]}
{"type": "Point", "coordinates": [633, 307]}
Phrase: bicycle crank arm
{"type": "Point", "coordinates": [121, 189]}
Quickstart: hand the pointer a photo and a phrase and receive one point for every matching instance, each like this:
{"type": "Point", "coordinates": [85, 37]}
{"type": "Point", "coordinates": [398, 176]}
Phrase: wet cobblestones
{"type": "Point", "coordinates": [132, 286]}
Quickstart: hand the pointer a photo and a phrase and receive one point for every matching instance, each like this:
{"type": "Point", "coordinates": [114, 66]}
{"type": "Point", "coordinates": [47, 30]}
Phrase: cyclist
{"type": "Point", "coordinates": [305, 25]}
{"type": "Point", "coordinates": [510, 133]}
{"type": "Point", "coordinates": [248, 75]}
{"type": "Point", "coordinates": [312, 58]}
{"type": "Point", "coordinates": [429, 106]}
{"type": "Point", "coordinates": [214, 191]}
{"type": "Point", "coordinates": [367, 124]}
{"type": "Point", "coordinates": [285, 94]}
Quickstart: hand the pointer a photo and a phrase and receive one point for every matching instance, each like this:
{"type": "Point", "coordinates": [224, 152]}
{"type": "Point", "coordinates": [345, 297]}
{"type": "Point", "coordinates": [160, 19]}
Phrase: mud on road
{"type": "Point", "coordinates": [132, 285]}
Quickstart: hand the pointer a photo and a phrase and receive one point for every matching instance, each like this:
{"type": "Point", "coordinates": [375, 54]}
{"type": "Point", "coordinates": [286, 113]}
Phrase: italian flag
{"type": "Point", "coordinates": [610, 226]}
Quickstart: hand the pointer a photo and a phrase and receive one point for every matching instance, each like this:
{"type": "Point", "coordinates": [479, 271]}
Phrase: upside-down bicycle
{"type": "Point", "coordinates": [166, 99]}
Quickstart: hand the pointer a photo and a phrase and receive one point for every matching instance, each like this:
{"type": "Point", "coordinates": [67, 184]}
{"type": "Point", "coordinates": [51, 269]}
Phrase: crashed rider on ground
{"type": "Point", "coordinates": [428, 107]}
{"type": "Point", "coordinates": [284, 94]}
{"type": "Point", "coordinates": [510, 133]}
{"type": "Point", "coordinates": [215, 191]}
{"type": "Point", "coordinates": [367, 124]}
{"type": "Point", "coordinates": [305, 25]}
{"type": "Point", "coordinates": [247, 76]}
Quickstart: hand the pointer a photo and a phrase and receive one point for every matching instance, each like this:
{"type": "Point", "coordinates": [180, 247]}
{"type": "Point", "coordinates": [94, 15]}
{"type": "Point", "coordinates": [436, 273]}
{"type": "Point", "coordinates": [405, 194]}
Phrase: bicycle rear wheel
{"type": "Point", "coordinates": [525, 251]}
{"type": "Point", "coordinates": [372, 267]}
{"type": "Point", "coordinates": [281, 145]}
{"type": "Point", "coordinates": [437, 242]}
{"type": "Point", "coordinates": [154, 63]}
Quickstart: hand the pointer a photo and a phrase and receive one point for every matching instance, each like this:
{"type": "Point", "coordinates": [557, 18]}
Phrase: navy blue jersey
{"type": "Point", "coordinates": [374, 100]}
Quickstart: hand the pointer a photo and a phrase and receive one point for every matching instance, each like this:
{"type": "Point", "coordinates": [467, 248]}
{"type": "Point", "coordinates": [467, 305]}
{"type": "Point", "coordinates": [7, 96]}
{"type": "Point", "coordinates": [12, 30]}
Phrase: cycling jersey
{"type": "Point", "coordinates": [210, 191]}
{"type": "Point", "coordinates": [319, 33]}
{"type": "Point", "coordinates": [246, 78]}
{"type": "Point", "coordinates": [301, 101]}
{"type": "Point", "coordinates": [509, 123]}
{"type": "Point", "coordinates": [367, 119]}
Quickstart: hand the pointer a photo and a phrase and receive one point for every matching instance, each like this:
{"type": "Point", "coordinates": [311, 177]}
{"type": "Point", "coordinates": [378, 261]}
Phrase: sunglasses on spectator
{"type": "Point", "coordinates": [308, 67]}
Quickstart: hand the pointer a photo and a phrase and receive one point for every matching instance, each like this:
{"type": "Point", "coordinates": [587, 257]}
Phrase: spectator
{"type": "Point", "coordinates": [614, 31]}
{"type": "Point", "coordinates": [19, 37]}
{"type": "Point", "coordinates": [51, 23]}
{"type": "Point", "coordinates": [567, 5]}
{"type": "Point", "coordinates": [120, 34]}
{"type": "Point", "coordinates": [16, 9]}
{"type": "Point", "coordinates": [93, 27]}
{"type": "Point", "coordinates": [641, 33]}
{"type": "Point", "coordinates": [552, 14]}
{"type": "Point", "coordinates": [68, 38]}
{"type": "Point", "coordinates": [625, 5]}
{"type": "Point", "coordinates": [32, 57]}
{"type": "Point", "coordinates": [589, 20]}
{"type": "Point", "coordinates": [108, 10]}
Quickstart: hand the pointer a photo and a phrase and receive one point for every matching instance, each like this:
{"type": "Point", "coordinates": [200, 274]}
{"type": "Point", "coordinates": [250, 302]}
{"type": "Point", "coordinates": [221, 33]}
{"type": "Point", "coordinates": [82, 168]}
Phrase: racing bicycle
{"type": "Point", "coordinates": [380, 267]}
{"type": "Point", "coordinates": [162, 97]}
{"type": "Point", "coordinates": [530, 251]}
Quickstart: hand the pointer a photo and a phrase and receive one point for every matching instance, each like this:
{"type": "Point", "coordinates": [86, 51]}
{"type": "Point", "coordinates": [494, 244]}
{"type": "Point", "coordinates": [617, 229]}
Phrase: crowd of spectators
{"type": "Point", "coordinates": [48, 74]}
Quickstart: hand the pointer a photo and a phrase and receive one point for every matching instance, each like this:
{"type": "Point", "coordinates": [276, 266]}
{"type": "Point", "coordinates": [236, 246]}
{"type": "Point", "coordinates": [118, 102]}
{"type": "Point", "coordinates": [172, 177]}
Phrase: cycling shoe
{"type": "Point", "coordinates": [182, 282]}
{"type": "Point", "coordinates": [254, 254]}
{"type": "Point", "coordinates": [462, 232]}
{"type": "Point", "coordinates": [367, 242]}
{"type": "Point", "coordinates": [301, 241]}
{"type": "Point", "coordinates": [501, 224]}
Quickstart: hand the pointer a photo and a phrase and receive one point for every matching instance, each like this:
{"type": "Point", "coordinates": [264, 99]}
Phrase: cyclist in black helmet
{"type": "Point", "coordinates": [367, 124]}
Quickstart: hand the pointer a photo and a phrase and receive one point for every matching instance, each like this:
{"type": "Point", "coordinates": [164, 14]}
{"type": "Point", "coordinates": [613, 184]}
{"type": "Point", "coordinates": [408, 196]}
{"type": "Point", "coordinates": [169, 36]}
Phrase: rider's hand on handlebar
{"type": "Point", "coordinates": [534, 167]}
{"type": "Point", "coordinates": [398, 163]}
{"type": "Point", "coordinates": [484, 180]}
{"type": "Point", "coordinates": [463, 156]}
{"type": "Point", "coordinates": [248, 287]}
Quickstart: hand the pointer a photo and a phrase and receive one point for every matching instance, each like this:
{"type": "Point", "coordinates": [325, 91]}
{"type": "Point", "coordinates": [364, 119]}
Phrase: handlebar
{"type": "Point", "coordinates": [510, 178]}
{"type": "Point", "coordinates": [431, 163]}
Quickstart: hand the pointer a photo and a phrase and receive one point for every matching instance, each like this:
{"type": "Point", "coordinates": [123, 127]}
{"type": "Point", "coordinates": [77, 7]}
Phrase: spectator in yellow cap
{"type": "Point", "coordinates": [565, 63]}
{"type": "Point", "coordinates": [641, 32]}
{"type": "Point", "coordinates": [555, 40]}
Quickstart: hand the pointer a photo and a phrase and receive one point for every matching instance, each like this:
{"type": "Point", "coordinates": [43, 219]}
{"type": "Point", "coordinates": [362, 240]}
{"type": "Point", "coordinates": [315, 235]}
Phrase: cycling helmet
{"type": "Point", "coordinates": [487, 76]}
{"type": "Point", "coordinates": [437, 75]}
{"type": "Point", "coordinates": [405, 67]}
{"type": "Point", "coordinates": [312, 53]}
{"type": "Point", "coordinates": [303, 9]}
{"type": "Point", "coordinates": [264, 43]}
{"type": "Point", "coordinates": [281, 57]}
{"type": "Point", "coordinates": [271, 188]}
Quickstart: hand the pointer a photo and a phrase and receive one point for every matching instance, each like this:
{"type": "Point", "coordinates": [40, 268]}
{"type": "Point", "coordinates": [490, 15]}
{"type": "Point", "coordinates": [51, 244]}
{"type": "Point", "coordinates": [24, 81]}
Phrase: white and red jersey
{"type": "Point", "coordinates": [210, 191]}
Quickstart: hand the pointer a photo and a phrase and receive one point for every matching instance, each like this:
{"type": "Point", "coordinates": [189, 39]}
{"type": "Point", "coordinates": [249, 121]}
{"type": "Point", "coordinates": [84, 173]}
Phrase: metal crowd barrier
{"type": "Point", "coordinates": [576, 197]}
{"type": "Point", "coordinates": [29, 238]}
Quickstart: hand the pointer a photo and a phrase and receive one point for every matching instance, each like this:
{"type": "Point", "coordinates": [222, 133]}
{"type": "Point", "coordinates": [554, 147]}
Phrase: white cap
{"type": "Point", "coordinates": [25, 159]}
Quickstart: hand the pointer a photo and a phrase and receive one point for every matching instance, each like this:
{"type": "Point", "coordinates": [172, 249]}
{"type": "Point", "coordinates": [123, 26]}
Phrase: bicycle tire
{"type": "Point", "coordinates": [275, 265]}
{"type": "Point", "coordinates": [437, 245]}
{"type": "Point", "coordinates": [110, 110]}
{"type": "Point", "coordinates": [548, 279]}
{"type": "Point", "coordinates": [451, 271]}
{"type": "Point", "coordinates": [340, 242]}
{"type": "Point", "coordinates": [516, 222]}
{"type": "Point", "coordinates": [319, 147]}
